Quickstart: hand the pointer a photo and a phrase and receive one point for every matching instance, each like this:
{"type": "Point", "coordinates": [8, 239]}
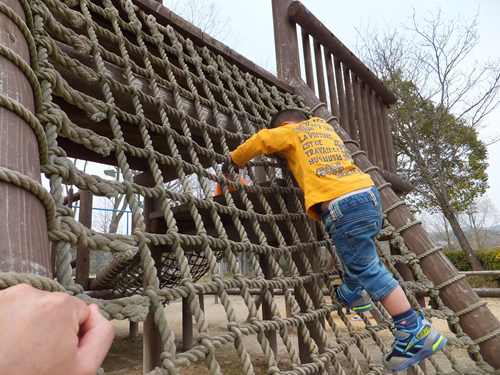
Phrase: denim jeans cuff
{"type": "Point", "coordinates": [385, 290]}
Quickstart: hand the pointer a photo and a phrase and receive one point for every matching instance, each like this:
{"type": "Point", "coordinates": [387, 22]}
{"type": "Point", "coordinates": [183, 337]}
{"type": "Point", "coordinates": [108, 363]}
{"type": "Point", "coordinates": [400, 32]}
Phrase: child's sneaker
{"type": "Point", "coordinates": [410, 347]}
{"type": "Point", "coordinates": [358, 300]}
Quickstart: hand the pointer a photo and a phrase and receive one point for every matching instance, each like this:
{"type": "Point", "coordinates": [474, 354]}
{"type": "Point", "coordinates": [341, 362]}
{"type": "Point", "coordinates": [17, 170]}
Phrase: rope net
{"type": "Point", "coordinates": [115, 86]}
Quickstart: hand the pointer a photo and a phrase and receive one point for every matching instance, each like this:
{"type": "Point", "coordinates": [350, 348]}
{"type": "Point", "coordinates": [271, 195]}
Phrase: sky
{"type": "Point", "coordinates": [251, 23]}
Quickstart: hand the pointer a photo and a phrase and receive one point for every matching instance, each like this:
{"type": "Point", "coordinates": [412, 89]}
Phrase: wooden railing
{"type": "Point", "coordinates": [352, 92]}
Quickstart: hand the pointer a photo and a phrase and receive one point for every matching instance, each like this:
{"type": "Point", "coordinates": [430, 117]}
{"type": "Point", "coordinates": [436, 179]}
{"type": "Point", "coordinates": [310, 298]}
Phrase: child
{"type": "Point", "coordinates": [225, 172]}
{"type": "Point", "coordinates": [345, 199]}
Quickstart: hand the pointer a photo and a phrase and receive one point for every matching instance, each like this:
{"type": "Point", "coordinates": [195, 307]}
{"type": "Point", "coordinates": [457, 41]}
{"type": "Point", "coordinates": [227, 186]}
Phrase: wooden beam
{"type": "Point", "coordinates": [398, 184]}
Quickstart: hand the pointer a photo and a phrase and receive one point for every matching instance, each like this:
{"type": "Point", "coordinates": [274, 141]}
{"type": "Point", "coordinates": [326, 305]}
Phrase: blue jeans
{"type": "Point", "coordinates": [352, 224]}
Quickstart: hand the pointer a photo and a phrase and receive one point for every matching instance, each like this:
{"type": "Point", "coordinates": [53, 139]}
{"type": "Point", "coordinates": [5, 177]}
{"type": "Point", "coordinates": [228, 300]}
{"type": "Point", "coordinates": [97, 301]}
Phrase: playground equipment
{"type": "Point", "coordinates": [132, 85]}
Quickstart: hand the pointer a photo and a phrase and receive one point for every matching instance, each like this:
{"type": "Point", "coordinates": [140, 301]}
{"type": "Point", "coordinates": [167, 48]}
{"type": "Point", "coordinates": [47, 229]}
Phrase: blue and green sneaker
{"type": "Point", "coordinates": [410, 347]}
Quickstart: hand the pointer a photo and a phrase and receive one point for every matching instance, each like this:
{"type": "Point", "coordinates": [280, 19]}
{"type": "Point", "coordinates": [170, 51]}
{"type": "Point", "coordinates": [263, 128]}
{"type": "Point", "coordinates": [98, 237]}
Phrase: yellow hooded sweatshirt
{"type": "Point", "coordinates": [316, 155]}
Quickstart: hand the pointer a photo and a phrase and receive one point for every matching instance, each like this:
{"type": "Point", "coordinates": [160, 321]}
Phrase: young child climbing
{"type": "Point", "coordinates": [345, 199]}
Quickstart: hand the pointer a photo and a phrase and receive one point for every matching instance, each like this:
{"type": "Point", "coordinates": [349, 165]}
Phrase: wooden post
{"type": "Point", "coordinates": [152, 346]}
{"type": "Point", "coordinates": [82, 253]}
{"type": "Point", "coordinates": [267, 270]}
{"type": "Point", "coordinates": [288, 312]}
{"type": "Point", "coordinates": [304, 350]}
{"type": "Point", "coordinates": [201, 299]}
{"type": "Point", "coordinates": [285, 41]}
{"type": "Point", "coordinates": [187, 325]}
{"type": "Point", "coordinates": [267, 313]}
{"type": "Point", "coordinates": [133, 329]}
{"type": "Point", "coordinates": [24, 244]}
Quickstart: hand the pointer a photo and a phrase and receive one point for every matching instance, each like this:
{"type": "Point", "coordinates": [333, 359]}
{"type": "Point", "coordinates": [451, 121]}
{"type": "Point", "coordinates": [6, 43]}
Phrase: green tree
{"type": "Point", "coordinates": [444, 97]}
{"type": "Point", "coordinates": [440, 155]}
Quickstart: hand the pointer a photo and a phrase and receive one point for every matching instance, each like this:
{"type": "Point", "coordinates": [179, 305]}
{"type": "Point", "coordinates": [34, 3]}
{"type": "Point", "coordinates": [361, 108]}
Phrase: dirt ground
{"type": "Point", "coordinates": [125, 355]}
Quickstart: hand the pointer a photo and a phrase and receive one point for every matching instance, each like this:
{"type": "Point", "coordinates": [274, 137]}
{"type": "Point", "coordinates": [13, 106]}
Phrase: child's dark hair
{"type": "Point", "coordinates": [225, 168]}
{"type": "Point", "coordinates": [284, 115]}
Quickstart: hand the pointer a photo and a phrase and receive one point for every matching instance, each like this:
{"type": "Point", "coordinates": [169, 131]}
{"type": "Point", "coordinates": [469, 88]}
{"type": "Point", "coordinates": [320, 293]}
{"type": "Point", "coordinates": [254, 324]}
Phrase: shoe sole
{"type": "Point", "coordinates": [361, 308]}
{"type": "Point", "coordinates": [421, 355]}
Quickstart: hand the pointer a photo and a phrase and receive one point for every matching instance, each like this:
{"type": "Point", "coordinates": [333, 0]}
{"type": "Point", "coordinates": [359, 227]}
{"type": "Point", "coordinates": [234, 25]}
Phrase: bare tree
{"type": "Point", "coordinates": [479, 218]}
{"type": "Point", "coordinates": [445, 96]}
{"type": "Point", "coordinates": [439, 229]}
{"type": "Point", "coordinates": [207, 15]}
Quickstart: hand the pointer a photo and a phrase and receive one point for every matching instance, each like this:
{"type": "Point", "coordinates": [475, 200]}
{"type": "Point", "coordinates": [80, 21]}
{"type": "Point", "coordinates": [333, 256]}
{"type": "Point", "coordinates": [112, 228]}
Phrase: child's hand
{"type": "Point", "coordinates": [239, 166]}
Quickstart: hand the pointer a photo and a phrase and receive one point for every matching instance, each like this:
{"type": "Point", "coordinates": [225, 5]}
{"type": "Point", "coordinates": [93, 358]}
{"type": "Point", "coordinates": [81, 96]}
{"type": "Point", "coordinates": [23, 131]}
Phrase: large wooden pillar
{"type": "Point", "coordinates": [24, 245]}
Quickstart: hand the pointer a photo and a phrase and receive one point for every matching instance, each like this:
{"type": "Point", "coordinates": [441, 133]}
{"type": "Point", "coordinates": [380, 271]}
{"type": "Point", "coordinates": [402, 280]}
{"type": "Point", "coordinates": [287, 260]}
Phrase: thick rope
{"type": "Point", "coordinates": [187, 108]}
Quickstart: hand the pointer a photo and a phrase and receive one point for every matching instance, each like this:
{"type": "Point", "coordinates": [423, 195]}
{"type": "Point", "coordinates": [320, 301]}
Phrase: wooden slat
{"type": "Point", "coordinates": [364, 92]}
{"type": "Point", "coordinates": [341, 95]}
{"type": "Point", "coordinates": [307, 21]}
{"type": "Point", "coordinates": [320, 75]}
{"type": "Point", "coordinates": [332, 87]}
{"type": "Point", "coordinates": [384, 161]}
{"type": "Point", "coordinates": [388, 136]}
{"type": "Point", "coordinates": [152, 346]}
{"type": "Point", "coordinates": [377, 152]}
{"type": "Point", "coordinates": [353, 131]}
{"type": "Point", "coordinates": [359, 112]}
{"type": "Point", "coordinates": [285, 42]}
{"type": "Point", "coordinates": [306, 49]}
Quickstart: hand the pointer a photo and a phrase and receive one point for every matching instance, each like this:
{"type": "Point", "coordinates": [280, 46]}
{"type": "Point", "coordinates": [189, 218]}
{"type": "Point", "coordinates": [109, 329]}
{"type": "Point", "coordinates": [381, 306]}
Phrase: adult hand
{"type": "Point", "coordinates": [50, 333]}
